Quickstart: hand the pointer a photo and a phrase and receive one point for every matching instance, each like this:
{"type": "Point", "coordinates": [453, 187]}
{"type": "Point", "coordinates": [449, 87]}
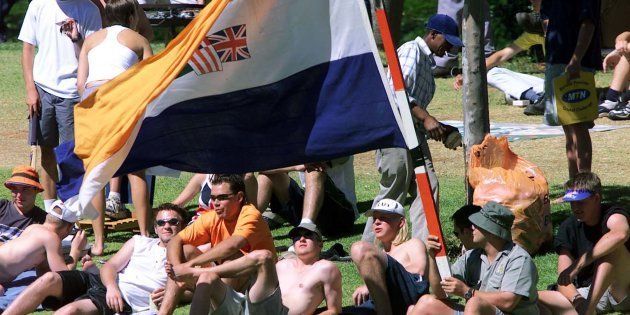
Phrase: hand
{"type": "Point", "coordinates": [622, 45]}
{"type": "Point", "coordinates": [360, 295]}
{"type": "Point", "coordinates": [114, 300]}
{"type": "Point", "coordinates": [315, 167]}
{"type": "Point", "coordinates": [70, 29]}
{"type": "Point", "coordinates": [32, 101]}
{"type": "Point", "coordinates": [459, 82]}
{"type": "Point", "coordinates": [433, 245]}
{"type": "Point", "coordinates": [567, 276]}
{"type": "Point", "coordinates": [78, 244]}
{"type": "Point", "coordinates": [611, 60]}
{"type": "Point", "coordinates": [573, 69]}
{"type": "Point", "coordinates": [181, 272]}
{"type": "Point", "coordinates": [454, 286]}
{"type": "Point", "coordinates": [434, 128]}
{"type": "Point", "coordinates": [157, 296]}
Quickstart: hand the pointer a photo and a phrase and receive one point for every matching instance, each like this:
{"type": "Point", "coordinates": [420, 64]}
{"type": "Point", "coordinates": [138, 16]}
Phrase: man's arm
{"type": "Point", "coordinates": [505, 301]}
{"type": "Point", "coordinates": [175, 250]}
{"type": "Point", "coordinates": [54, 255]}
{"type": "Point", "coordinates": [109, 273]}
{"type": "Point", "coordinates": [433, 246]}
{"type": "Point", "coordinates": [32, 97]}
{"type": "Point", "coordinates": [225, 249]}
{"type": "Point", "coordinates": [192, 188]}
{"type": "Point", "coordinates": [585, 35]}
{"type": "Point", "coordinates": [502, 56]}
{"type": "Point", "coordinates": [611, 241]}
{"type": "Point", "coordinates": [434, 128]}
{"type": "Point", "coordinates": [332, 289]}
{"type": "Point", "coordinates": [569, 291]}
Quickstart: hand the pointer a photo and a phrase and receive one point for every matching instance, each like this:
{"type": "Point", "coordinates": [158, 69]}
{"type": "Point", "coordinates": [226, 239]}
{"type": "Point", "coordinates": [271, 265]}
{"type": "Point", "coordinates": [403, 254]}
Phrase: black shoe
{"type": "Point", "coordinates": [534, 109]}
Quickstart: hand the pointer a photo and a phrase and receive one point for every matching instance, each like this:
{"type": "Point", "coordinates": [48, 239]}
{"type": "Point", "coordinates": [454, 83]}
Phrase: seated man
{"type": "Point", "coordinates": [233, 229]}
{"type": "Point", "coordinates": [463, 228]}
{"type": "Point", "coordinates": [593, 247]}
{"type": "Point", "coordinates": [295, 285]}
{"type": "Point", "coordinates": [616, 106]}
{"type": "Point", "coordinates": [40, 245]}
{"type": "Point", "coordinates": [394, 270]}
{"type": "Point", "coordinates": [129, 281]}
{"type": "Point", "coordinates": [496, 277]}
{"type": "Point", "coordinates": [327, 200]}
{"type": "Point", "coordinates": [20, 212]}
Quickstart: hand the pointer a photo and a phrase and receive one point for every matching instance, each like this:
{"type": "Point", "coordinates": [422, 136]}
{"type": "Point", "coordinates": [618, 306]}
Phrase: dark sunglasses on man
{"type": "Point", "coordinates": [307, 234]}
{"type": "Point", "coordinates": [171, 221]}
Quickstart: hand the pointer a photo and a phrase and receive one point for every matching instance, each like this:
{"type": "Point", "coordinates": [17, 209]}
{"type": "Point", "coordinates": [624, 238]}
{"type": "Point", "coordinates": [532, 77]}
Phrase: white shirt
{"type": "Point", "coordinates": [144, 273]}
{"type": "Point", "coordinates": [56, 61]}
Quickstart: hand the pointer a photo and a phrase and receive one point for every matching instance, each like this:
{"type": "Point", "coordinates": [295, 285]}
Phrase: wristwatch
{"type": "Point", "coordinates": [469, 294]}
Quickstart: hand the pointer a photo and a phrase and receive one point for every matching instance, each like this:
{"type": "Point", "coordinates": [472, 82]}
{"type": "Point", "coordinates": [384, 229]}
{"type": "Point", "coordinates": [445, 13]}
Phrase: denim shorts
{"type": "Point", "coordinates": [56, 119]}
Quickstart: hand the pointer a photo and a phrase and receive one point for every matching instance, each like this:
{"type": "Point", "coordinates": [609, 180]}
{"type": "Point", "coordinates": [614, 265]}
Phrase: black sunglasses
{"type": "Point", "coordinates": [221, 197]}
{"type": "Point", "coordinates": [307, 234]}
{"type": "Point", "coordinates": [171, 221]}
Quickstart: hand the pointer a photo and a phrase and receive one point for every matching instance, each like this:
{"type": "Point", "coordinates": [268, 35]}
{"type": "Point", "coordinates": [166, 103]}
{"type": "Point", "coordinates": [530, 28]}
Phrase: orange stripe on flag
{"type": "Point", "coordinates": [105, 120]}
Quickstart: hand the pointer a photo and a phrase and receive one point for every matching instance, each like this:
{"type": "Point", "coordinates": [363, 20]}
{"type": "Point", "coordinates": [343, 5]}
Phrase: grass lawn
{"type": "Point", "coordinates": [611, 151]}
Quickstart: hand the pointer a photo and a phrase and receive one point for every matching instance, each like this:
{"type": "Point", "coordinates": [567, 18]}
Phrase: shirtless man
{"type": "Point", "coordinates": [41, 243]}
{"type": "Point", "coordinates": [393, 269]}
{"type": "Point", "coordinates": [297, 285]}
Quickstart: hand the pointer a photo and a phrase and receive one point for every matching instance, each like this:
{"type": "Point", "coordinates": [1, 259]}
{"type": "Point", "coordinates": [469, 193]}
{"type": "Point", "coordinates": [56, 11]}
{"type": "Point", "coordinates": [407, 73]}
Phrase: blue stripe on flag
{"type": "Point", "coordinates": [71, 171]}
{"type": "Point", "coordinates": [330, 110]}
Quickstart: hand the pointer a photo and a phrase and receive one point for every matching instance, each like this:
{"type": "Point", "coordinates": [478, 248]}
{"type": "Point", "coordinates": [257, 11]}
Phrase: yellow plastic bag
{"type": "Point", "coordinates": [576, 101]}
{"type": "Point", "coordinates": [498, 174]}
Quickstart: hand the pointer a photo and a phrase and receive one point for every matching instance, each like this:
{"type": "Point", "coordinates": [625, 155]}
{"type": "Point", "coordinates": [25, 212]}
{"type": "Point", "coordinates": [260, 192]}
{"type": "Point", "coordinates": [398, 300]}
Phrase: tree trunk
{"type": "Point", "coordinates": [475, 102]}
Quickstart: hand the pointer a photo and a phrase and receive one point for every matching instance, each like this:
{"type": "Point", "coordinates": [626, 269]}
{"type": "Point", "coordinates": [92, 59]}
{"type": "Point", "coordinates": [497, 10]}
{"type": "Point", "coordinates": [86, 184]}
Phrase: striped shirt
{"type": "Point", "coordinates": [416, 62]}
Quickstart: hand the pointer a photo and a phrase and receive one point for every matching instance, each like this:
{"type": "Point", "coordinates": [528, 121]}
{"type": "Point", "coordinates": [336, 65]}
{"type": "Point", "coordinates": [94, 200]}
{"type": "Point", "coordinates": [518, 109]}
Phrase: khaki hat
{"type": "Point", "coordinates": [24, 176]}
{"type": "Point", "coordinates": [494, 218]}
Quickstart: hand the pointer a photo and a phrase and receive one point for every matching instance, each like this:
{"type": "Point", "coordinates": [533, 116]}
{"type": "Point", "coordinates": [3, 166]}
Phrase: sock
{"type": "Point", "coordinates": [307, 220]}
{"type": "Point", "coordinates": [613, 95]}
{"type": "Point", "coordinates": [48, 203]}
{"type": "Point", "coordinates": [114, 195]}
{"type": "Point", "coordinates": [530, 95]}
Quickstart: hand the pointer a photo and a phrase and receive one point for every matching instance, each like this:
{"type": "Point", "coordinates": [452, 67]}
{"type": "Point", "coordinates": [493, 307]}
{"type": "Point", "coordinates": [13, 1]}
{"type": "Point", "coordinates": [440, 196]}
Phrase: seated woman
{"type": "Point", "coordinates": [104, 55]}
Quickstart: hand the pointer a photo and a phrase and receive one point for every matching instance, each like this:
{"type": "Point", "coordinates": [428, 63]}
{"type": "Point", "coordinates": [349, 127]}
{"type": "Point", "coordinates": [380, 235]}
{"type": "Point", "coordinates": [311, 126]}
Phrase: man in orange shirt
{"type": "Point", "coordinates": [232, 229]}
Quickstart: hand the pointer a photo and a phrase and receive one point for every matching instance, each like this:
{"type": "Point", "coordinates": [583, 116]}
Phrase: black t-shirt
{"type": "Point", "coordinates": [12, 222]}
{"type": "Point", "coordinates": [565, 18]}
{"type": "Point", "coordinates": [579, 238]}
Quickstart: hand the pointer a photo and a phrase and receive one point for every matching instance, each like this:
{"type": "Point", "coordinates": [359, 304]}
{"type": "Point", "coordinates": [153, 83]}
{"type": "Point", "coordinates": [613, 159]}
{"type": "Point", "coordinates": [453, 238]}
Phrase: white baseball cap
{"type": "Point", "coordinates": [65, 215]}
{"type": "Point", "coordinates": [387, 206]}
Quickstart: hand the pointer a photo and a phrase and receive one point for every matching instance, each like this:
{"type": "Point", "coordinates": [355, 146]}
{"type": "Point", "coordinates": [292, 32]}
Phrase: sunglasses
{"type": "Point", "coordinates": [221, 197]}
{"type": "Point", "coordinates": [306, 234]}
{"type": "Point", "coordinates": [171, 221]}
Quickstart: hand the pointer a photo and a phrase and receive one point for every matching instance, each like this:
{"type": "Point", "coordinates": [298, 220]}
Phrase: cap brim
{"type": "Point", "coordinates": [295, 230]}
{"type": "Point", "coordinates": [573, 195]}
{"type": "Point", "coordinates": [477, 219]}
{"type": "Point", "coordinates": [9, 183]}
{"type": "Point", "coordinates": [453, 40]}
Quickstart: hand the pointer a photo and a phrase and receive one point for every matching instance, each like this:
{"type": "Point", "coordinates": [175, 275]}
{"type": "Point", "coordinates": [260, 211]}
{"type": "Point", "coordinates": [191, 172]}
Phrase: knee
{"type": "Point", "coordinates": [48, 280]}
{"type": "Point", "coordinates": [209, 278]}
{"type": "Point", "coordinates": [360, 251]}
{"type": "Point", "coordinates": [475, 304]}
{"type": "Point", "coordinates": [427, 304]}
{"type": "Point", "coordinates": [262, 257]}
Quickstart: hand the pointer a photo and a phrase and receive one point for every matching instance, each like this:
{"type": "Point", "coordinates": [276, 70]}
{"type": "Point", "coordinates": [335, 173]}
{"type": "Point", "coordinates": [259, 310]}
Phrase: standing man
{"type": "Point", "coordinates": [593, 247]}
{"type": "Point", "coordinates": [233, 229]}
{"type": "Point", "coordinates": [496, 277]}
{"type": "Point", "coordinates": [295, 285]}
{"type": "Point", "coordinates": [57, 28]}
{"type": "Point", "coordinates": [395, 164]}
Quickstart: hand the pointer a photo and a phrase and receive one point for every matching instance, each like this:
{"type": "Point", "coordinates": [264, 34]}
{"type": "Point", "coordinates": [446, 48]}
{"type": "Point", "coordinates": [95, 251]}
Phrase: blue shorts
{"type": "Point", "coordinates": [56, 119]}
{"type": "Point", "coordinates": [404, 288]}
{"type": "Point", "coordinates": [15, 287]}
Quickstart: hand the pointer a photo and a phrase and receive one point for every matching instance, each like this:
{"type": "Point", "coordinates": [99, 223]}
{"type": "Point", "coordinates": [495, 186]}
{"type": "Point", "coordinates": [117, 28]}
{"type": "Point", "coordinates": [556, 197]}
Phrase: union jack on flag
{"type": "Point", "coordinates": [227, 45]}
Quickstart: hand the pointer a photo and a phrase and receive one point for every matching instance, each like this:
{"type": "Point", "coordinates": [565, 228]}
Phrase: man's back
{"type": "Point", "coordinates": [302, 286]}
{"type": "Point", "coordinates": [25, 252]}
{"type": "Point", "coordinates": [411, 255]}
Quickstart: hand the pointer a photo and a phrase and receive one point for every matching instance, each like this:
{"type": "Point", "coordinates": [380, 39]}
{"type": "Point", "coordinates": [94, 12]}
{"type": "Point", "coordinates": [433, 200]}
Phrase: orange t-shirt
{"type": "Point", "coordinates": [209, 228]}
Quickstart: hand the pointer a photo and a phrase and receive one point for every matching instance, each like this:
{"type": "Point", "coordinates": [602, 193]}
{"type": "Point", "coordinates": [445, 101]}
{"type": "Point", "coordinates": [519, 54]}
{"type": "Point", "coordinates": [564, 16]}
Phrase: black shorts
{"type": "Point", "coordinates": [80, 285]}
{"type": "Point", "coordinates": [336, 216]}
{"type": "Point", "coordinates": [404, 288]}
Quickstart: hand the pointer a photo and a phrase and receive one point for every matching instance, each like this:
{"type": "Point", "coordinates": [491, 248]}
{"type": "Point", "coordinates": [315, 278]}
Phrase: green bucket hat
{"type": "Point", "coordinates": [494, 218]}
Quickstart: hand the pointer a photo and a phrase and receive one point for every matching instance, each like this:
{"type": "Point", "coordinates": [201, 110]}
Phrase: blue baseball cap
{"type": "Point", "coordinates": [447, 26]}
{"type": "Point", "coordinates": [576, 195]}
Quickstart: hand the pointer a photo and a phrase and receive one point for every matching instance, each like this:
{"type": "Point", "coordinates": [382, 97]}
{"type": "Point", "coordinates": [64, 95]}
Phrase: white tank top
{"type": "Point", "coordinates": [110, 58]}
{"type": "Point", "coordinates": [144, 273]}
{"type": "Point", "coordinates": [204, 193]}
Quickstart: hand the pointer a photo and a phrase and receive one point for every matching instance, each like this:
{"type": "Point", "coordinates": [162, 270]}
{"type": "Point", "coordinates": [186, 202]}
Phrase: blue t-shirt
{"type": "Point", "coordinates": [565, 18]}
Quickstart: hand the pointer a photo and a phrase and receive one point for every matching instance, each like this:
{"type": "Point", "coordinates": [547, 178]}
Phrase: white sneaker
{"type": "Point", "coordinates": [113, 204]}
{"type": "Point", "coordinates": [605, 107]}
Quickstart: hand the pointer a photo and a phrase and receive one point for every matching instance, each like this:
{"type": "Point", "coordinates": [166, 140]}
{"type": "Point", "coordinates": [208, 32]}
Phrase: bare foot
{"type": "Point", "coordinates": [97, 249]}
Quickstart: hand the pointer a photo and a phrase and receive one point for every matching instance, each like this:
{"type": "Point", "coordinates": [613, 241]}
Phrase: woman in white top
{"type": "Point", "coordinates": [104, 55]}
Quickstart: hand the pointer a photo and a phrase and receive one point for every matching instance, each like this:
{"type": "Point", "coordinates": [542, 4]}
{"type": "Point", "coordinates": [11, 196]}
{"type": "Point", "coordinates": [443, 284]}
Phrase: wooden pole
{"type": "Point", "coordinates": [475, 89]}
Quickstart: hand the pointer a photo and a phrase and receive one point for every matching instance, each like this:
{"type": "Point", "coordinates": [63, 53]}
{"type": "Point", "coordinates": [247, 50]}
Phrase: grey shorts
{"type": "Point", "coordinates": [56, 120]}
{"type": "Point", "coordinates": [607, 302]}
{"type": "Point", "coordinates": [238, 303]}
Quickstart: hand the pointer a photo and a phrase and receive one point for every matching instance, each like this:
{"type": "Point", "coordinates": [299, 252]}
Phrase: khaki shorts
{"type": "Point", "coordinates": [236, 303]}
{"type": "Point", "coordinates": [607, 302]}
